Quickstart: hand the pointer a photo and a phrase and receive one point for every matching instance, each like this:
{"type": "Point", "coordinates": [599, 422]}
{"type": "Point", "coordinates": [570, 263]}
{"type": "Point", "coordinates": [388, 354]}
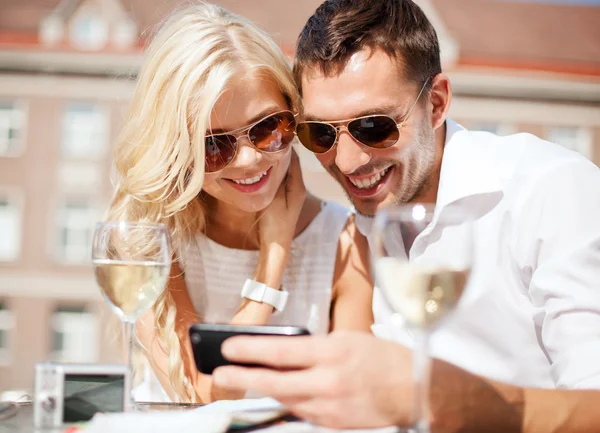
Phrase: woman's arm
{"type": "Point", "coordinates": [269, 270]}
{"type": "Point", "coordinates": [271, 266]}
{"type": "Point", "coordinates": [351, 307]}
{"type": "Point", "coordinates": [277, 226]}
{"type": "Point", "coordinates": [185, 316]}
{"type": "Point", "coordinates": [288, 214]}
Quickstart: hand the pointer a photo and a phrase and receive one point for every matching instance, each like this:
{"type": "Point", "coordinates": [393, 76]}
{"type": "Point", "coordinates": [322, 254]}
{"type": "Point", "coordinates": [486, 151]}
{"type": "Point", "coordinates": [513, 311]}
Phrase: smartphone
{"type": "Point", "coordinates": [207, 339]}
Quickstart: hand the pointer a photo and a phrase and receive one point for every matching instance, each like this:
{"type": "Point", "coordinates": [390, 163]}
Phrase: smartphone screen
{"type": "Point", "coordinates": [207, 339]}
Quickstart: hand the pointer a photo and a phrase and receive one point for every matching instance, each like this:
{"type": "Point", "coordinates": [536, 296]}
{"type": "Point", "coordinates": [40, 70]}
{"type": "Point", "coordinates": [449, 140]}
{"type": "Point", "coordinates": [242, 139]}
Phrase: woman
{"type": "Point", "coordinates": [207, 150]}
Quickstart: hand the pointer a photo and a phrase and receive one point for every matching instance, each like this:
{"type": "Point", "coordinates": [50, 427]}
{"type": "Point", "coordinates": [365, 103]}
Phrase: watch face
{"type": "Point", "coordinates": [86, 395]}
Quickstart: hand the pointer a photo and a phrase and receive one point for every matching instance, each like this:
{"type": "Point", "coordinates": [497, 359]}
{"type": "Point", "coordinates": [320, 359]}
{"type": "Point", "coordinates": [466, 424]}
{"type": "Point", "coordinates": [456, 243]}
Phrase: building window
{"type": "Point", "coordinates": [10, 229]}
{"type": "Point", "coordinates": [573, 138]}
{"type": "Point", "coordinates": [12, 127]}
{"type": "Point", "coordinates": [493, 127]}
{"type": "Point", "coordinates": [6, 326]}
{"type": "Point", "coordinates": [89, 30]}
{"type": "Point", "coordinates": [75, 229]}
{"type": "Point", "coordinates": [74, 335]}
{"type": "Point", "coordinates": [125, 33]}
{"type": "Point", "coordinates": [85, 131]}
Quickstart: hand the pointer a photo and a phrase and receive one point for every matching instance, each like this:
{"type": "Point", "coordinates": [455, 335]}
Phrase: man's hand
{"type": "Point", "coordinates": [344, 380]}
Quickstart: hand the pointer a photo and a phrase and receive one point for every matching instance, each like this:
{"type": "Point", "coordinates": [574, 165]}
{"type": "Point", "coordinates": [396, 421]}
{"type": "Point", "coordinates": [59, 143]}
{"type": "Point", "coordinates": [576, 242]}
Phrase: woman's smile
{"type": "Point", "coordinates": [250, 184]}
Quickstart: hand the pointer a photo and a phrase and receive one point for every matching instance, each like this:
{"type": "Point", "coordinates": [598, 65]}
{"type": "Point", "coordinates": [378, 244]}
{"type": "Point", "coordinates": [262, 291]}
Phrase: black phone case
{"type": "Point", "coordinates": [207, 339]}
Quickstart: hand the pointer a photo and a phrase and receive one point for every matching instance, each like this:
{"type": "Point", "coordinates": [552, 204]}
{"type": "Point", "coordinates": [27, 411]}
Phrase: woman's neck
{"type": "Point", "coordinates": [233, 228]}
{"type": "Point", "coordinates": [229, 226]}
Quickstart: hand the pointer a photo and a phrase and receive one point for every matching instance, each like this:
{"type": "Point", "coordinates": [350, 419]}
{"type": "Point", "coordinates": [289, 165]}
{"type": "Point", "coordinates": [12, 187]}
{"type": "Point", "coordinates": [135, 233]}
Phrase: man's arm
{"type": "Point", "coordinates": [558, 252]}
{"type": "Point", "coordinates": [462, 402]}
{"type": "Point", "coordinates": [354, 380]}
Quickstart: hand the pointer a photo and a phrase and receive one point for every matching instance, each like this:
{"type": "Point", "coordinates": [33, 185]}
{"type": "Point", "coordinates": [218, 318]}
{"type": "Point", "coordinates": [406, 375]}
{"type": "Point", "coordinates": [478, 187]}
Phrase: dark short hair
{"type": "Point", "coordinates": [340, 28]}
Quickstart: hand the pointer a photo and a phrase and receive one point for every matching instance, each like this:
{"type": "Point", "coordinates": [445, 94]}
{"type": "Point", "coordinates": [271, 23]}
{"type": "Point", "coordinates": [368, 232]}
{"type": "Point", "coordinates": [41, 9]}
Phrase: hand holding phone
{"type": "Point", "coordinates": [207, 339]}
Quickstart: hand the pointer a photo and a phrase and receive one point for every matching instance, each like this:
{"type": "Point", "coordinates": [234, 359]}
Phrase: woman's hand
{"type": "Point", "coordinates": [276, 230]}
{"type": "Point", "coordinates": [277, 223]}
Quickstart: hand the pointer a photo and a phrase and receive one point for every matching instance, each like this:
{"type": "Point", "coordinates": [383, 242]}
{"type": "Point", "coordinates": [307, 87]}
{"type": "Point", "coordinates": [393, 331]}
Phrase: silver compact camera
{"type": "Point", "coordinates": [71, 393]}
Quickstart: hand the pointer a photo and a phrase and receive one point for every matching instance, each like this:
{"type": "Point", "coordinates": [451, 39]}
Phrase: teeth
{"type": "Point", "coordinates": [369, 182]}
{"type": "Point", "coordinates": [250, 180]}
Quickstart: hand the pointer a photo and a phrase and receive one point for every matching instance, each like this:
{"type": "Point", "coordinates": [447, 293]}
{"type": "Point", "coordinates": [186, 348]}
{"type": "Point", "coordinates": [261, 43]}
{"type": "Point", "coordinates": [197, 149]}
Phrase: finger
{"type": "Point", "coordinates": [277, 352]}
{"type": "Point", "coordinates": [277, 384]}
{"type": "Point", "coordinates": [294, 182]}
{"type": "Point", "coordinates": [289, 176]}
{"type": "Point", "coordinates": [325, 412]}
{"type": "Point", "coordinates": [294, 172]}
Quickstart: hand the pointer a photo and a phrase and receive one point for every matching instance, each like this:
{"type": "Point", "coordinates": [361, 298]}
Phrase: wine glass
{"type": "Point", "coordinates": [131, 263]}
{"type": "Point", "coordinates": [422, 262]}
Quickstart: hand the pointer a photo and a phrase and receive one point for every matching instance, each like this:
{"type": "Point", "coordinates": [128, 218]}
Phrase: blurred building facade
{"type": "Point", "coordinates": [67, 71]}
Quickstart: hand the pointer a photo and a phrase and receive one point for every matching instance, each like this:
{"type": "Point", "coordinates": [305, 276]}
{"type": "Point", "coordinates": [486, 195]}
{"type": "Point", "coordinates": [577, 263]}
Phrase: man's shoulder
{"type": "Point", "coordinates": [525, 158]}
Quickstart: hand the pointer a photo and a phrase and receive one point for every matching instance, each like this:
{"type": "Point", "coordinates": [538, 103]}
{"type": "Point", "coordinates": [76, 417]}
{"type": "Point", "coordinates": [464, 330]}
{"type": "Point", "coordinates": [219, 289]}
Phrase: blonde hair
{"type": "Point", "coordinates": [159, 155]}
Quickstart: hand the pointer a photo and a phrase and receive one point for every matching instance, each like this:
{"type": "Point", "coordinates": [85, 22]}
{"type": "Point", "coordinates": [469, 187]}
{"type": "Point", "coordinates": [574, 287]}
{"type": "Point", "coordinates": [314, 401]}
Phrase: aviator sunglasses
{"type": "Point", "coordinates": [270, 134]}
{"type": "Point", "coordinates": [377, 131]}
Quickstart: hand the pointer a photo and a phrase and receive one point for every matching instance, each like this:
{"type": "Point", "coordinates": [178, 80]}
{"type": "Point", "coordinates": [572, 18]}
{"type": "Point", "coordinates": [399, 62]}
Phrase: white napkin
{"type": "Point", "coordinates": [181, 421]}
{"type": "Point", "coordinates": [249, 411]}
{"type": "Point", "coordinates": [216, 417]}
{"type": "Point", "coordinates": [246, 404]}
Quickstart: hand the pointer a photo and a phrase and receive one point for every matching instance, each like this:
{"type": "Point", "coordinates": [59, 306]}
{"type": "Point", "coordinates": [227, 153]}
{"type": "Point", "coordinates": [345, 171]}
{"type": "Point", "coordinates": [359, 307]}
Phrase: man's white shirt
{"type": "Point", "coordinates": [531, 313]}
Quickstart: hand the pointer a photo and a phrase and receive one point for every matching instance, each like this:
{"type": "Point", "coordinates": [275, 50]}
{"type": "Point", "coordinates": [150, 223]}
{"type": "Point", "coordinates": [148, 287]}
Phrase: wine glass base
{"type": "Point", "coordinates": [420, 427]}
{"type": "Point", "coordinates": [137, 407]}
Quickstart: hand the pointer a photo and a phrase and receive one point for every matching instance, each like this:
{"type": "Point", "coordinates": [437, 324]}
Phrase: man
{"type": "Point", "coordinates": [531, 316]}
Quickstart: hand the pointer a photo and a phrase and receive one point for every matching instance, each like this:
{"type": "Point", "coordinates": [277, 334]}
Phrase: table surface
{"type": "Point", "coordinates": [22, 422]}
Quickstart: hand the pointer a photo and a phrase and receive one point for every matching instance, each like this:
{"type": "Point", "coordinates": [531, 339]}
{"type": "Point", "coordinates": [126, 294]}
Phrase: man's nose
{"type": "Point", "coordinates": [350, 155]}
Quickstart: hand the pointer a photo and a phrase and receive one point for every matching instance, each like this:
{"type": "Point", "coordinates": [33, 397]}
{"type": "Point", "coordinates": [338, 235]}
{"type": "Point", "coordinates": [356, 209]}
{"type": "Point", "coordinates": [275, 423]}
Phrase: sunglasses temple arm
{"type": "Point", "coordinates": [414, 104]}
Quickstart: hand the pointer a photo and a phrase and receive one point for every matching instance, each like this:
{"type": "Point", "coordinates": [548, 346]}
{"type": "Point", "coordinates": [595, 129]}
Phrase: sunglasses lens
{"type": "Point", "coordinates": [220, 151]}
{"type": "Point", "coordinates": [316, 137]}
{"type": "Point", "coordinates": [273, 133]}
{"type": "Point", "coordinates": [375, 131]}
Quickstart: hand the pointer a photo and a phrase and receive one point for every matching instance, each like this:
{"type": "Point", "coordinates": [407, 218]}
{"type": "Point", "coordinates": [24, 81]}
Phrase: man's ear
{"type": "Point", "coordinates": [440, 97]}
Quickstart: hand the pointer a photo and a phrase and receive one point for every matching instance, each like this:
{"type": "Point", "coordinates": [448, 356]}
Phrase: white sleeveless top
{"type": "Point", "coordinates": [214, 276]}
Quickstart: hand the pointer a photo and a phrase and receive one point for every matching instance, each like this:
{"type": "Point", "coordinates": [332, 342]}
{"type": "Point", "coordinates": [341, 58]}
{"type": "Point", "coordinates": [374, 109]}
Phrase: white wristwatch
{"type": "Point", "coordinates": [260, 292]}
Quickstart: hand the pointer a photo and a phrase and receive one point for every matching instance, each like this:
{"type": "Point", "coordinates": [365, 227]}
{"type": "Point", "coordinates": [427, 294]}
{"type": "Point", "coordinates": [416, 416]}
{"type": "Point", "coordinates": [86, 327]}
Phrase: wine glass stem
{"type": "Point", "coordinates": [421, 370]}
{"type": "Point", "coordinates": [128, 330]}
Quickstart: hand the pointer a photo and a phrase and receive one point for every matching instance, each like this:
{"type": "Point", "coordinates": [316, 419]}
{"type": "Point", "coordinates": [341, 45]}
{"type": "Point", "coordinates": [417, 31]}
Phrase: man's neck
{"type": "Point", "coordinates": [429, 192]}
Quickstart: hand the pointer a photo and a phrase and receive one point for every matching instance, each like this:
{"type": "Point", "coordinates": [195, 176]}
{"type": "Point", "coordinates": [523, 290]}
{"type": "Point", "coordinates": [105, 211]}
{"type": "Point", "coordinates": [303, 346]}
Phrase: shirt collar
{"type": "Point", "coordinates": [469, 167]}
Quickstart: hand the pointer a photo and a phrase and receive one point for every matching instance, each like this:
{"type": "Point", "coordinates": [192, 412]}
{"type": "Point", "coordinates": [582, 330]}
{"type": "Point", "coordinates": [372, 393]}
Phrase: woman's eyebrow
{"type": "Point", "coordinates": [262, 114]}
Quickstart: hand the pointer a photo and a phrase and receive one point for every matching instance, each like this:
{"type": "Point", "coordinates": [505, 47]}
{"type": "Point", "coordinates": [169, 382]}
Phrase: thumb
{"type": "Point", "coordinates": [294, 176]}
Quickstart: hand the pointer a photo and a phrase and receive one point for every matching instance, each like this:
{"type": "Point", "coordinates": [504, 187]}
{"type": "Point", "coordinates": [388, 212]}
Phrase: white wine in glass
{"type": "Point", "coordinates": [422, 264]}
{"type": "Point", "coordinates": [422, 294]}
{"type": "Point", "coordinates": [130, 288]}
{"type": "Point", "coordinates": [131, 263]}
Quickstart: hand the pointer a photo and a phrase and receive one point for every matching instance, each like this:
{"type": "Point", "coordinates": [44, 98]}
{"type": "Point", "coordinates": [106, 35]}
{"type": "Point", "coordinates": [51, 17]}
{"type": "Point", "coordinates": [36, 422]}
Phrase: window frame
{"type": "Point", "coordinates": [15, 196]}
{"type": "Point", "coordinates": [7, 325]}
{"type": "Point", "coordinates": [19, 148]}
{"type": "Point", "coordinates": [58, 225]}
{"type": "Point", "coordinates": [66, 313]}
{"type": "Point", "coordinates": [584, 139]}
{"type": "Point", "coordinates": [503, 128]}
{"type": "Point", "coordinates": [93, 153]}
